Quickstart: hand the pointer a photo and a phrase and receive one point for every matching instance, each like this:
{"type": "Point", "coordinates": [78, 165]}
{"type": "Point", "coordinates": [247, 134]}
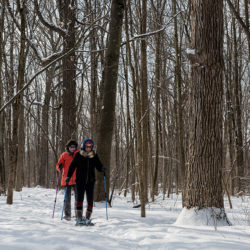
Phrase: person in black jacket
{"type": "Point", "coordinates": [85, 162]}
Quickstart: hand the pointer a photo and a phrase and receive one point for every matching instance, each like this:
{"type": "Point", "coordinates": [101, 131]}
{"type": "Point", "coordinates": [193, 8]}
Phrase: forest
{"type": "Point", "coordinates": [161, 86]}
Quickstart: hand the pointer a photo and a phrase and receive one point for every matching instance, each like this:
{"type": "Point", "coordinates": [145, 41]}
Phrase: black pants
{"type": "Point", "coordinates": [81, 189]}
{"type": "Point", "coordinates": [67, 204]}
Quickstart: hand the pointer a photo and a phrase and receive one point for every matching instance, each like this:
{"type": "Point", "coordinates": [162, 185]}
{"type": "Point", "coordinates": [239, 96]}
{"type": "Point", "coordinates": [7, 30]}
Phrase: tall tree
{"type": "Point", "coordinates": [179, 97]}
{"type": "Point", "coordinates": [204, 171]}
{"type": "Point", "coordinates": [2, 168]}
{"type": "Point", "coordinates": [158, 13]}
{"type": "Point", "coordinates": [145, 111]}
{"type": "Point", "coordinates": [44, 160]}
{"type": "Point", "coordinates": [105, 133]}
{"type": "Point", "coordinates": [237, 110]}
{"type": "Point", "coordinates": [17, 108]}
{"type": "Point", "coordinates": [21, 75]}
{"type": "Point", "coordinates": [67, 11]}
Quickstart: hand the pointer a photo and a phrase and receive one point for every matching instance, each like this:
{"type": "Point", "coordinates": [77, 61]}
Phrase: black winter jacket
{"type": "Point", "coordinates": [85, 168]}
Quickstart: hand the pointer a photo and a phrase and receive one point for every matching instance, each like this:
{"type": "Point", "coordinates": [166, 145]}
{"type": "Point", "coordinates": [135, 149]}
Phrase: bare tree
{"type": "Point", "coordinates": [2, 119]}
{"type": "Point", "coordinates": [109, 100]}
{"type": "Point", "coordinates": [204, 171]}
{"type": "Point", "coordinates": [17, 109]}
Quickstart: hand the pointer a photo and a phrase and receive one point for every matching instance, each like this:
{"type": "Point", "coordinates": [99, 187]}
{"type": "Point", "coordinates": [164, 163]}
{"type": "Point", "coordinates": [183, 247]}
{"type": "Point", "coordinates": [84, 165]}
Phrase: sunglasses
{"type": "Point", "coordinates": [88, 146]}
{"type": "Point", "coordinates": [72, 146]}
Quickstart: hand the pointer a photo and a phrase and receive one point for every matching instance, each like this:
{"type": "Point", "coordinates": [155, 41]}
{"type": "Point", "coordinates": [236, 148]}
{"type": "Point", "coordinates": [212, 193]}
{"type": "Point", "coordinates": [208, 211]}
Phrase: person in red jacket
{"type": "Point", "coordinates": [63, 165]}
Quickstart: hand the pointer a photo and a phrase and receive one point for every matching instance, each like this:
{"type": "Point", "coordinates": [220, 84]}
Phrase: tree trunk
{"type": "Point", "coordinates": [17, 108]}
{"type": "Point", "coordinates": [154, 188]}
{"type": "Point", "coordinates": [134, 91]}
{"type": "Point", "coordinates": [44, 164]}
{"type": "Point", "coordinates": [109, 101]}
{"type": "Point", "coordinates": [238, 122]}
{"type": "Point", "coordinates": [21, 72]}
{"type": "Point", "coordinates": [230, 130]}
{"type": "Point", "coordinates": [144, 111]}
{"type": "Point", "coordinates": [179, 101]}
{"type": "Point", "coordinates": [204, 171]}
{"type": "Point", "coordinates": [129, 144]}
{"type": "Point", "coordinates": [69, 127]}
{"type": "Point", "coordinates": [94, 79]}
{"type": "Point", "coordinates": [2, 168]}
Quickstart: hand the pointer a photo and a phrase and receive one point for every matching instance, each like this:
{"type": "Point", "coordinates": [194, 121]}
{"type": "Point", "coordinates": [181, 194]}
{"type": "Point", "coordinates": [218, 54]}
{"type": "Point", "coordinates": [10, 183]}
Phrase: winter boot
{"type": "Point", "coordinates": [78, 214]}
{"type": "Point", "coordinates": [67, 217]}
{"type": "Point", "coordinates": [88, 220]}
{"type": "Point", "coordinates": [88, 214]}
{"type": "Point", "coordinates": [79, 219]}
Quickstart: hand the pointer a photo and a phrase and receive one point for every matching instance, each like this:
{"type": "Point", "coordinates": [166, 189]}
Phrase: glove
{"type": "Point", "coordinates": [67, 180]}
{"type": "Point", "coordinates": [61, 166]}
{"type": "Point", "coordinates": [104, 169]}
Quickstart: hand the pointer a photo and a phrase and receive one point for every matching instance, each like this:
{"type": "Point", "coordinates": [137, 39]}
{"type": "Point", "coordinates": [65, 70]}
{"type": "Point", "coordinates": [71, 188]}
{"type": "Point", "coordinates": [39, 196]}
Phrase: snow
{"type": "Point", "coordinates": [190, 51]}
{"type": "Point", "coordinates": [28, 224]}
{"type": "Point", "coordinates": [202, 217]}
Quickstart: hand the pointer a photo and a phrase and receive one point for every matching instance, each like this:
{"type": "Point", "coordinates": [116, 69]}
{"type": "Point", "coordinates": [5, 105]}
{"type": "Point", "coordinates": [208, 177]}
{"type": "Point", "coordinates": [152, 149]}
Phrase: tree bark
{"type": "Point", "coordinates": [44, 160]}
{"type": "Point", "coordinates": [16, 112]}
{"type": "Point", "coordinates": [69, 128]}
{"type": "Point", "coordinates": [109, 101]}
{"type": "Point", "coordinates": [21, 122]}
{"type": "Point", "coordinates": [179, 100]}
{"type": "Point", "coordinates": [204, 172]}
{"type": "Point", "coordinates": [230, 120]}
{"type": "Point", "coordinates": [2, 118]}
{"type": "Point", "coordinates": [237, 111]}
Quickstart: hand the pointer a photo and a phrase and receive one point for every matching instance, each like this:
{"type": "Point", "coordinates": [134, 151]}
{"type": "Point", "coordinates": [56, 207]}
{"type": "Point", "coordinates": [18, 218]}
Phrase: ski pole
{"type": "Point", "coordinates": [106, 196]}
{"type": "Point", "coordinates": [58, 180]}
{"type": "Point", "coordinates": [64, 201]}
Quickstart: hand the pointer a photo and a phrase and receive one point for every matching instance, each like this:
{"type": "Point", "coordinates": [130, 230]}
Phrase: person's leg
{"type": "Point", "coordinates": [75, 196]}
{"type": "Point", "coordinates": [90, 199]}
{"type": "Point", "coordinates": [67, 204]}
{"type": "Point", "coordinates": [79, 201]}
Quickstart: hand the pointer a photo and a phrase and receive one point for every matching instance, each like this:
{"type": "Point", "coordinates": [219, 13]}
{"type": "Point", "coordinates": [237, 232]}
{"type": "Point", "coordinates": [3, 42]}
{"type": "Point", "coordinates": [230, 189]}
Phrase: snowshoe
{"type": "Point", "coordinates": [81, 222]}
{"type": "Point", "coordinates": [89, 223]}
{"type": "Point", "coordinates": [66, 217]}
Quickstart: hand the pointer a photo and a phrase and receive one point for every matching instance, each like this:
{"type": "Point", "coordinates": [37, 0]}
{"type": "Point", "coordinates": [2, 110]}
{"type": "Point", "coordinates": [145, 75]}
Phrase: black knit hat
{"type": "Point", "coordinates": [71, 142]}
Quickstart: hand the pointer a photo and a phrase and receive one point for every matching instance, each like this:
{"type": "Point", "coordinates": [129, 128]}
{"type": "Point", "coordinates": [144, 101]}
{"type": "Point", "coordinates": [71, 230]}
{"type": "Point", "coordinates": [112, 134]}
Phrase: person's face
{"type": "Point", "coordinates": [88, 147]}
{"type": "Point", "coordinates": [72, 148]}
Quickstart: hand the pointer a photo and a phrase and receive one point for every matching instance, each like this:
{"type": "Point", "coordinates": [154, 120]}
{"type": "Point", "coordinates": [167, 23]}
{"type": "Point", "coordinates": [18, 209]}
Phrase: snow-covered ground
{"type": "Point", "coordinates": [28, 224]}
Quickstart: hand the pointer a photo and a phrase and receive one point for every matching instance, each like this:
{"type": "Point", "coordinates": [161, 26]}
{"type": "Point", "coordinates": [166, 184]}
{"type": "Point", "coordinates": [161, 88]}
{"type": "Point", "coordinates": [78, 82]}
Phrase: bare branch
{"type": "Point", "coordinates": [151, 33]}
{"type": "Point", "coordinates": [43, 130]}
{"type": "Point", "coordinates": [51, 26]}
{"type": "Point", "coordinates": [32, 79]}
{"type": "Point", "coordinates": [32, 44]}
{"type": "Point", "coordinates": [236, 14]}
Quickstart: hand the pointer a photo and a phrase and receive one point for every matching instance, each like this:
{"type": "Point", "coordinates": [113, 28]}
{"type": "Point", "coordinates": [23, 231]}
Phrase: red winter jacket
{"type": "Point", "coordinates": [66, 160]}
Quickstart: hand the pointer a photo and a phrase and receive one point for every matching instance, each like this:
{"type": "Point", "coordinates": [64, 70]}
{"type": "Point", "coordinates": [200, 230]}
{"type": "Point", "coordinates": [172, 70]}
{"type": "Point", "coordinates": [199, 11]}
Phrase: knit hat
{"type": "Point", "coordinates": [89, 142]}
{"type": "Point", "coordinates": [70, 143]}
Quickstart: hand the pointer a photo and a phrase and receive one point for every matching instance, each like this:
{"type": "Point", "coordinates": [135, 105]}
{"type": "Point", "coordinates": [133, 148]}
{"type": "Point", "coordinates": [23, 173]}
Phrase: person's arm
{"type": "Point", "coordinates": [60, 163]}
{"type": "Point", "coordinates": [99, 165]}
{"type": "Point", "coordinates": [73, 166]}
